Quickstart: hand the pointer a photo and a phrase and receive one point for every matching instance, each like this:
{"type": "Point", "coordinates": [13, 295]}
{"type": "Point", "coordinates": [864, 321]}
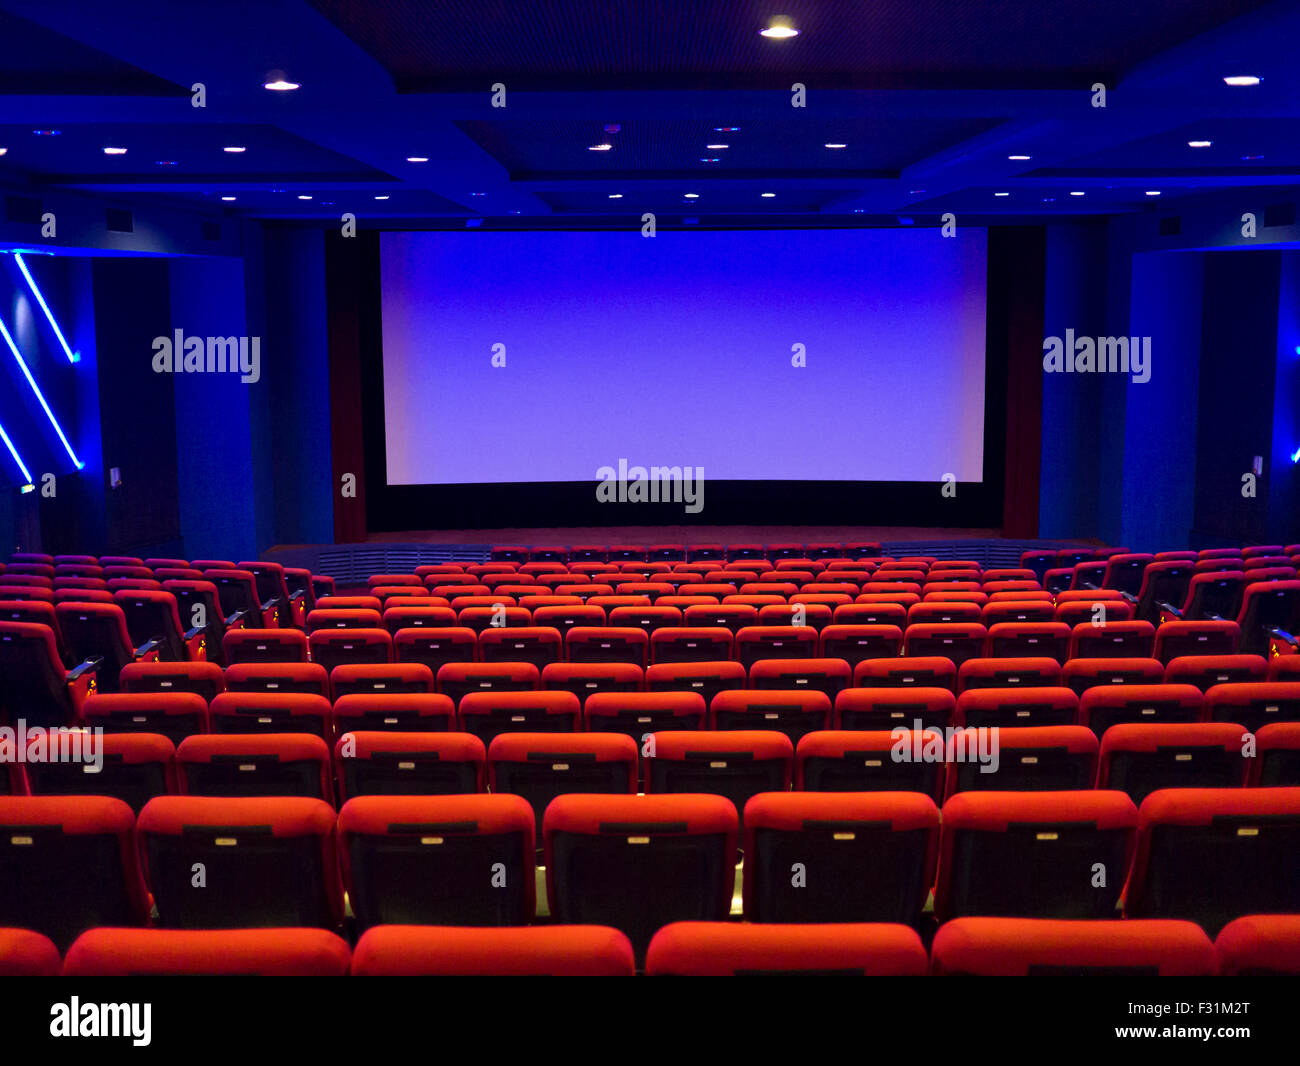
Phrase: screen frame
{"type": "Point", "coordinates": [540, 504]}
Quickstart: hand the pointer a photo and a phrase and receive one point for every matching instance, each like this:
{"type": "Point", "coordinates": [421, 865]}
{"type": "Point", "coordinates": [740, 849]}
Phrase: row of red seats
{"type": "Point", "coordinates": [639, 862]}
{"type": "Point", "coordinates": [1255, 945]}
{"type": "Point", "coordinates": [1136, 758]}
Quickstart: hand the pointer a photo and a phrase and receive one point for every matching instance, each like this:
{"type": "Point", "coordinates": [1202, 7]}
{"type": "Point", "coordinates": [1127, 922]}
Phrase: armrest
{"type": "Point", "coordinates": [1284, 636]}
{"type": "Point", "coordinates": [190, 634]}
{"type": "Point", "coordinates": [299, 595]}
{"type": "Point", "coordinates": [1091, 585]}
{"type": "Point", "coordinates": [88, 667]}
{"type": "Point", "coordinates": [236, 620]}
{"type": "Point", "coordinates": [148, 647]}
{"type": "Point", "coordinates": [271, 604]}
{"type": "Point", "coordinates": [1129, 597]}
{"type": "Point", "coordinates": [1170, 609]}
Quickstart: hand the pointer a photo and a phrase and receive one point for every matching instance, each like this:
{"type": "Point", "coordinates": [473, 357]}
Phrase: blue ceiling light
{"type": "Point", "coordinates": [27, 476]}
{"type": "Point", "coordinates": [22, 365]}
{"type": "Point", "coordinates": [1295, 456]}
{"type": "Point", "coordinates": [73, 357]}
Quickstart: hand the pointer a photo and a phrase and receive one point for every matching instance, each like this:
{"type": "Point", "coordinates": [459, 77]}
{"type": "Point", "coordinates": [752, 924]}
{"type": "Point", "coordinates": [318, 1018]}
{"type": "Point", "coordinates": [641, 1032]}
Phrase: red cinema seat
{"type": "Point", "coordinates": [1208, 637]}
{"type": "Point", "coordinates": [1101, 613]}
{"type": "Point", "coordinates": [1284, 668]}
{"type": "Point", "coordinates": [448, 951]}
{"type": "Point", "coordinates": [438, 860]}
{"type": "Point", "coordinates": [736, 764]}
{"type": "Point", "coordinates": [539, 645]}
{"type": "Point", "coordinates": [724, 949]}
{"type": "Point", "coordinates": [1259, 945]}
{"type": "Point", "coordinates": [394, 712]}
{"type": "Point", "coordinates": [334, 618]}
{"type": "Point", "coordinates": [1029, 672]}
{"type": "Point", "coordinates": [458, 679]}
{"type": "Point", "coordinates": [237, 592]}
{"type": "Point", "coordinates": [69, 863]}
{"type": "Point", "coordinates": [582, 679]}
{"type": "Point", "coordinates": [1009, 708]}
{"type": "Point", "coordinates": [1254, 704]}
{"type": "Point", "coordinates": [1083, 674]}
{"type": "Point", "coordinates": [1164, 581]}
{"type": "Point", "coordinates": [958, 641]}
{"type": "Point", "coordinates": [264, 646]}
{"type": "Point", "coordinates": [637, 714]}
{"type": "Point", "coordinates": [997, 612]}
{"type": "Point", "coordinates": [204, 953]}
{"type": "Point", "coordinates": [1140, 758]}
{"type": "Point", "coordinates": [174, 715]}
{"type": "Point", "coordinates": [607, 644]}
{"type": "Point", "coordinates": [922, 672]}
{"type": "Point", "coordinates": [793, 712]}
{"type": "Point", "coordinates": [435, 647]}
{"type": "Point", "coordinates": [687, 644]}
{"type": "Point", "coordinates": [541, 766]}
{"type": "Point", "coordinates": [1206, 671]}
{"type": "Point", "coordinates": [568, 616]}
{"type": "Point", "coordinates": [408, 764]}
{"type": "Point", "coordinates": [1116, 640]}
{"type": "Point", "coordinates": [839, 856]}
{"type": "Point", "coordinates": [1057, 758]}
{"type": "Point", "coordinates": [1033, 854]}
{"type": "Point", "coordinates": [775, 642]}
{"type": "Point", "coordinates": [489, 714]}
{"type": "Point", "coordinates": [835, 760]}
{"type": "Point", "coordinates": [640, 862]}
{"type": "Point", "coordinates": [340, 647]}
{"type": "Point", "coordinates": [732, 616]}
{"type": "Point", "coordinates": [1277, 756]}
{"type": "Point", "coordinates": [894, 708]}
{"type": "Point", "coordinates": [481, 617]}
{"type": "Point", "coordinates": [1104, 706]}
{"type": "Point", "coordinates": [380, 678]}
{"type": "Point", "coordinates": [854, 643]}
{"type": "Point", "coordinates": [203, 678]}
{"type": "Point", "coordinates": [942, 611]}
{"type": "Point", "coordinates": [1270, 616]}
{"type": "Point", "coordinates": [399, 616]}
{"type": "Point", "coordinates": [870, 614]}
{"type": "Point", "coordinates": [1016, 640]}
{"type": "Point", "coordinates": [267, 764]}
{"type": "Point", "coordinates": [288, 608]}
{"type": "Point", "coordinates": [27, 954]}
{"type": "Point", "coordinates": [271, 712]}
{"type": "Point", "coordinates": [1214, 594]}
{"type": "Point", "coordinates": [807, 675]}
{"type": "Point", "coordinates": [34, 683]}
{"type": "Point", "coordinates": [98, 631]}
{"type": "Point", "coordinates": [309, 678]}
{"type": "Point", "coordinates": [133, 767]}
{"type": "Point", "coordinates": [1210, 855]}
{"type": "Point", "coordinates": [152, 614]}
{"type": "Point", "coordinates": [273, 858]}
{"type": "Point", "coordinates": [1042, 947]}
{"type": "Point", "coordinates": [708, 679]}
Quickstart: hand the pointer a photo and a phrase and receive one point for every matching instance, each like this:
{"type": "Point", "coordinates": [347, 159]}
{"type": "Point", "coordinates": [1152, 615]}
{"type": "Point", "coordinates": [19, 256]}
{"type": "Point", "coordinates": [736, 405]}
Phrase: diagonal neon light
{"type": "Point", "coordinates": [27, 477]}
{"type": "Point", "coordinates": [37, 389]}
{"type": "Point", "coordinates": [1295, 456]}
{"type": "Point", "coordinates": [73, 357]}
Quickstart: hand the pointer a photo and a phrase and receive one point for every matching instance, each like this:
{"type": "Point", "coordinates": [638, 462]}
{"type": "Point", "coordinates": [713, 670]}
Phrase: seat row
{"type": "Point", "coordinates": [639, 862]}
{"type": "Point", "coordinates": [1137, 759]}
{"type": "Point", "coordinates": [994, 947]}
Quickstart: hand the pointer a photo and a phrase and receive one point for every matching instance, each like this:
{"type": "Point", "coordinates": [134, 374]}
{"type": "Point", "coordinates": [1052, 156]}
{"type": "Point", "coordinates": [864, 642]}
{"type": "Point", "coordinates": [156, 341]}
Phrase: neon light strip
{"type": "Point", "coordinates": [14, 452]}
{"type": "Point", "coordinates": [73, 357]}
{"type": "Point", "coordinates": [37, 389]}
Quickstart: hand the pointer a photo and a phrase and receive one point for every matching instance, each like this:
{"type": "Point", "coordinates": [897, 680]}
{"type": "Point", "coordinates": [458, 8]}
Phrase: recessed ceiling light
{"type": "Point", "coordinates": [164, 162]}
{"type": "Point", "coordinates": [1153, 192]}
{"type": "Point", "coordinates": [1241, 79]}
{"type": "Point", "coordinates": [1001, 194]}
{"type": "Point", "coordinates": [115, 151]}
{"type": "Point", "coordinates": [1018, 158]}
{"type": "Point", "coordinates": [47, 133]}
{"type": "Point", "coordinates": [716, 147]}
{"type": "Point", "coordinates": [234, 148]}
{"type": "Point", "coordinates": [726, 129]}
{"type": "Point", "coordinates": [1252, 157]}
{"type": "Point", "coordinates": [616, 196]}
{"type": "Point", "coordinates": [3, 150]}
{"type": "Point", "coordinates": [1049, 199]}
{"type": "Point", "coordinates": [858, 210]}
{"type": "Point", "coordinates": [383, 197]}
{"type": "Point", "coordinates": [278, 83]}
{"type": "Point", "coordinates": [1076, 194]}
{"type": "Point", "coordinates": [478, 194]}
{"type": "Point", "coordinates": [301, 197]}
{"type": "Point", "coordinates": [1199, 144]}
{"type": "Point", "coordinates": [780, 28]}
{"type": "Point", "coordinates": [599, 147]}
{"type": "Point", "coordinates": [767, 195]}
{"type": "Point", "coordinates": [692, 196]}
{"type": "Point", "coordinates": [417, 158]}
{"type": "Point", "coordinates": [715, 159]}
{"type": "Point", "coordinates": [835, 146]}
{"type": "Point", "coordinates": [228, 198]}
